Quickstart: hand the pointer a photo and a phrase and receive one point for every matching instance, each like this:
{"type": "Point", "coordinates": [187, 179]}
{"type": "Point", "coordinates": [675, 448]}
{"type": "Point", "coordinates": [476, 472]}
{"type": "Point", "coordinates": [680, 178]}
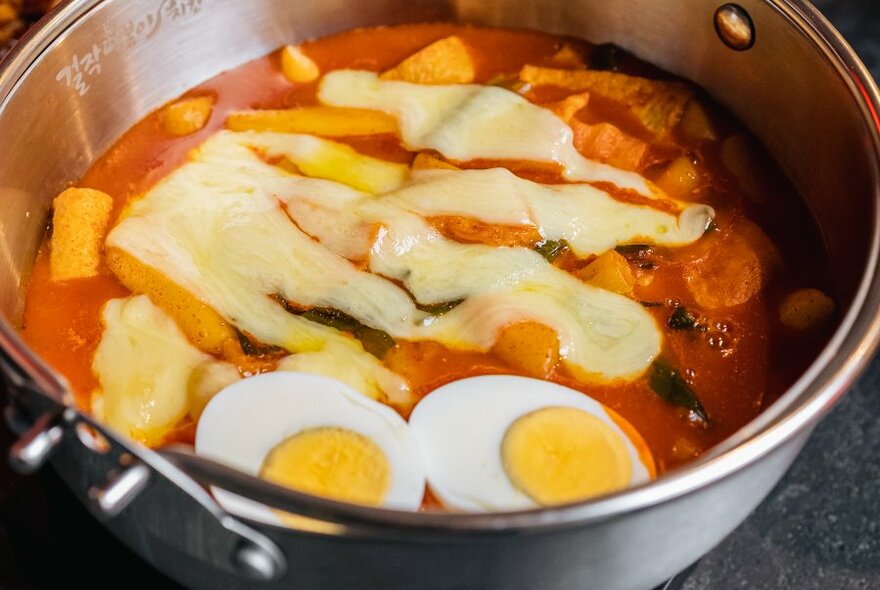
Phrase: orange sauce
{"type": "Point", "coordinates": [740, 364]}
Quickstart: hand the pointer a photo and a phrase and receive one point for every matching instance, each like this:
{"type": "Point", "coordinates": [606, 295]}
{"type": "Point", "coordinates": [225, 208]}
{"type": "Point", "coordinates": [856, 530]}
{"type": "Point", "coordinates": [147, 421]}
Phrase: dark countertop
{"type": "Point", "coordinates": [819, 529]}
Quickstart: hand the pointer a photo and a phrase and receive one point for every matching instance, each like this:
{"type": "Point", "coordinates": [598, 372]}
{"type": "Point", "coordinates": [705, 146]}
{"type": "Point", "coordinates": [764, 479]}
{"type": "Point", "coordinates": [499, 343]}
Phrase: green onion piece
{"type": "Point", "coordinates": [682, 319]}
{"type": "Point", "coordinates": [551, 249]}
{"type": "Point", "coordinates": [331, 317]}
{"type": "Point", "coordinates": [439, 308]}
{"type": "Point", "coordinates": [668, 383]}
{"type": "Point", "coordinates": [252, 348]}
{"type": "Point", "coordinates": [374, 341]}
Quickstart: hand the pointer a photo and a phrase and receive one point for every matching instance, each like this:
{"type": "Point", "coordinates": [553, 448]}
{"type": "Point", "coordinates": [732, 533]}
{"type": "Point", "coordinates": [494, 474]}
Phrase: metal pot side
{"type": "Point", "coordinates": [94, 68]}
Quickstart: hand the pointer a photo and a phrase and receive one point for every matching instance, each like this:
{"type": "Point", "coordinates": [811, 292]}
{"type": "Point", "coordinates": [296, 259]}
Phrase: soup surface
{"type": "Point", "coordinates": [405, 208]}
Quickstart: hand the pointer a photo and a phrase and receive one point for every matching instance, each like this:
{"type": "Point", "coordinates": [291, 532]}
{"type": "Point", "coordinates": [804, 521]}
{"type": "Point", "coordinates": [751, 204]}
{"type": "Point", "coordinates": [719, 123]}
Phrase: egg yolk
{"type": "Point", "coordinates": [559, 455]}
{"type": "Point", "coordinates": [331, 462]}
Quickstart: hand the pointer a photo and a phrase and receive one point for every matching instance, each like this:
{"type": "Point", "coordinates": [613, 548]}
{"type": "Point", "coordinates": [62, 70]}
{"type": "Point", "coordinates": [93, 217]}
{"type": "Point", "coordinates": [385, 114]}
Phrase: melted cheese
{"type": "Point", "coordinates": [602, 335]}
{"type": "Point", "coordinates": [471, 121]}
{"type": "Point", "coordinates": [220, 226]}
{"type": "Point", "coordinates": [591, 220]}
{"type": "Point", "coordinates": [145, 367]}
{"type": "Point", "coordinates": [216, 228]}
{"type": "Point", "coordinates": [336, 360]}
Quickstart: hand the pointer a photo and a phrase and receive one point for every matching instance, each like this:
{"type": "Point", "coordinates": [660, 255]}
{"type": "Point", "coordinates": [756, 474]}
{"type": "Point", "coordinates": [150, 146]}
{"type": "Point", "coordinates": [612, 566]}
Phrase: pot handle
{"type": "Point", "coordinates": [139, 494]}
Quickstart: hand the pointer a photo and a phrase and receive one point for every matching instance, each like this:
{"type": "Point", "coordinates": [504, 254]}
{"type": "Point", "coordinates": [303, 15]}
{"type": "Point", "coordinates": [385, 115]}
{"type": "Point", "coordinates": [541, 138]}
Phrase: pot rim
{"type": "Point", "coordinates": [796, 411]}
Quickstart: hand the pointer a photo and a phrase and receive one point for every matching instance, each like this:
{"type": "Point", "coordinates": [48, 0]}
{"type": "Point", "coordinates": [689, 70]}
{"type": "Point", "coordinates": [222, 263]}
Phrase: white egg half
{"type": "Point", "coordinates": [461, 428]}
{"type": "Point", "coordinates": [244, 423]}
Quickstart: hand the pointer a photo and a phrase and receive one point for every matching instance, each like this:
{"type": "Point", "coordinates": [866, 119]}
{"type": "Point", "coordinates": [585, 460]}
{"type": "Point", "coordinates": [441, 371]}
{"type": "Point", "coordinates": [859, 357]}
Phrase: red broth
{"type": "Point", "coordinates": [739, 361]}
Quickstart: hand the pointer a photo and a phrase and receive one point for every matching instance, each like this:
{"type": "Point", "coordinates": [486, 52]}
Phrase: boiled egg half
{"type": "Point", "coordinates": [500, 442]}
{"type": "Point", "coordinates": [313, 434]}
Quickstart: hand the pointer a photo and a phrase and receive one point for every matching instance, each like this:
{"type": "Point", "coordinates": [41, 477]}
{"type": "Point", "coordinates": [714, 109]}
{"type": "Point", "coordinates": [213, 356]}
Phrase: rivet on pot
{"type": "Point", "coordinates": [255, 562]}
{"type": "Point", "coordinates": [121, 490]}
{"type": "Point", "coordinates": [735, 27]}
{"type": "Point", "coordinates": [36, 446]}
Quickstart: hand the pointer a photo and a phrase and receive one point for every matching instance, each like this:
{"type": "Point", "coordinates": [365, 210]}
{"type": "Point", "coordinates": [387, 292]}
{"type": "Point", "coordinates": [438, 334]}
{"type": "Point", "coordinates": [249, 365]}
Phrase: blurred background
{"type": "Point", "coordinates": [818, 530]}
{"type": "Point", "coordinates": [17, 15]}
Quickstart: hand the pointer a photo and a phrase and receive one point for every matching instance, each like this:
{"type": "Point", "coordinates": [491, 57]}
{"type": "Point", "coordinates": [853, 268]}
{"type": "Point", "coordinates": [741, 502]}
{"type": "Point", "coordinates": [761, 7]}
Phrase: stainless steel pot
{"type": "Point", "coordinates": [95, 67]}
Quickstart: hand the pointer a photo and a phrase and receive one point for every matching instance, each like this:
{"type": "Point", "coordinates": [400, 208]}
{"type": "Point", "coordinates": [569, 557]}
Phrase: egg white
{"type": "Point", "coordinates": [247, 419]}
{"type": "Point", "coordinates": [460, 428]}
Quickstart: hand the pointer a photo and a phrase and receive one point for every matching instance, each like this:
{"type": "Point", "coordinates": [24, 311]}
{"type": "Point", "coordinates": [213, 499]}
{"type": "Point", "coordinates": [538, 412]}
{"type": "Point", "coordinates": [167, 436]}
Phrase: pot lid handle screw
{"type": "Point", "coordinates": [735, 27]}
{"type": "Point", "coordinates": [36, 446]}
